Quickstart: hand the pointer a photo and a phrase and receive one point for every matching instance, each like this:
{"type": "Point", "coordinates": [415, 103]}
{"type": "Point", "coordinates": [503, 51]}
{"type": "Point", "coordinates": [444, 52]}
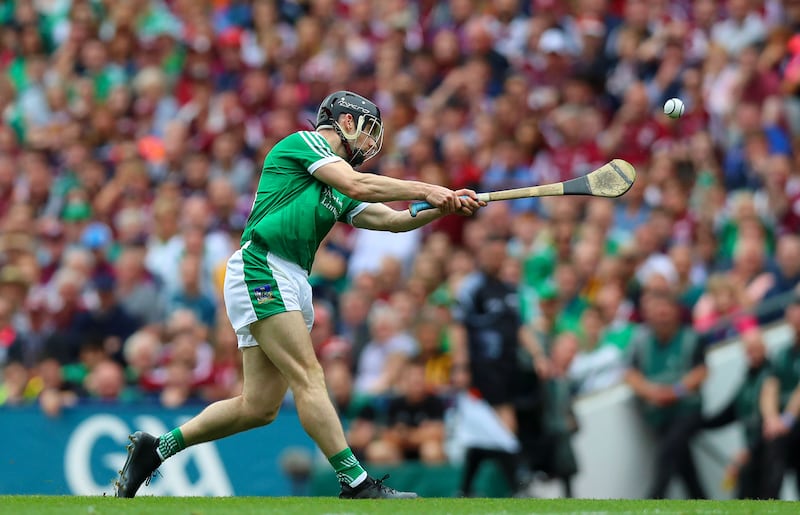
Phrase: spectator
{"type": "Point", "coordinates": [597, 364]}
{"type": "Point", "coordinates": [487, 309]}
{"type": "Point", "coordinates": [15, 382]}
{"type": "Point", "coordinates": [668, 390]}
{"type": "Point", "coordinates": [106, 383]}
{"type": "Point", "coordinates": [354, 311]}
{"type": "Point", "coordinates": [190, 294]}
{"type": "Point", "coordinates": [780, 407]}
{"type": "Point", "coordinates": [436, 360]}
{"type": "Point", "coordinates": [110, 320]}
{"type": "Point", "coordinates": [382, 359]}
{"type": "Point", "coordinates": [142, 352]}
{"type": "Point", "coordinates": [555, 456]}
{"type": "Point", "coordinates": [723, 311]}
{"type": "Point", "coordinates": [136, 291]}
{"type": "Point", "coordinates": [743, 27]}
{"type": "Point", "coordinates": [745, 469]}
{"type": "Point", "coordinates": [786, 269]}
{"type": "Point", "coordinates": [414, 423]}
{"type": "Point", "coordinates": [55, 393]}
{"type": "Point", "coordinates": [228, 162]}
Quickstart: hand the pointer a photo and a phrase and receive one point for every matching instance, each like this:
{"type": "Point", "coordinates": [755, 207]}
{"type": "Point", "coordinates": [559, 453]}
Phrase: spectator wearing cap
{"type": "Point", "coordinates": [98, 238]}
{"type": "Point", "coordinates": [537, 335]}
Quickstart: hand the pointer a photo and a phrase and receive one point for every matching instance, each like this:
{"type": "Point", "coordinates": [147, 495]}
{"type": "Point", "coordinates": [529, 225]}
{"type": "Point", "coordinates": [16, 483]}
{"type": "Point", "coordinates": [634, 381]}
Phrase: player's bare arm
{"type": "Point", "coordinates": [380, 217]}
{"type": "Point", "coordinates": [369, 187]}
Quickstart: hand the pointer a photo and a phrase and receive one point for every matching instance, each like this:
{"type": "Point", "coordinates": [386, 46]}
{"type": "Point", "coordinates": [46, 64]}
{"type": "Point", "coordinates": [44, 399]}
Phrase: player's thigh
{"type": "Point", "coordinates": [259, 285]}
{"type": "Point", "coordinates": [264, 387]}
{"type": "Point", "coordinates": [285, 340]}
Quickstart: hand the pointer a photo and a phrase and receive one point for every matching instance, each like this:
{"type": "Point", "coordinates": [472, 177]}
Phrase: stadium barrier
{"type": "Point", "coordinates": [80, 452]}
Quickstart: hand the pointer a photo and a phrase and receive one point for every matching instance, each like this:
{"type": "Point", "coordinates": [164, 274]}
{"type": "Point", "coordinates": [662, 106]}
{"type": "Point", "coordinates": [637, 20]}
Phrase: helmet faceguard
{"type": "Point", "coordinates": [366, 139]}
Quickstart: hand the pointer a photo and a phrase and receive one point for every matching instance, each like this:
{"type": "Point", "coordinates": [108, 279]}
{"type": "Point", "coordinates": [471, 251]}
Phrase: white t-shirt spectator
{"type": "Point", "coordinates": [374, 357]}
{"type": "Point", "coordinates": [735, 36]}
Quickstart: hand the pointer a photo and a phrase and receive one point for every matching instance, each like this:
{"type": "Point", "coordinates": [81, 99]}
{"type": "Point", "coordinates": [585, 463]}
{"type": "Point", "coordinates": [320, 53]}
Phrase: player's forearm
{"type": "Point", "coordinates": [402, 221]}
{"type": "Point", "coordinates": [377, 188]}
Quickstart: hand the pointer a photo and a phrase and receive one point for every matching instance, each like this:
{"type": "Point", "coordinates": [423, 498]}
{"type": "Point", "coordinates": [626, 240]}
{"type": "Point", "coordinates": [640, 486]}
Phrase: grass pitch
{"type": "Point", "coordinates": [24, 505]}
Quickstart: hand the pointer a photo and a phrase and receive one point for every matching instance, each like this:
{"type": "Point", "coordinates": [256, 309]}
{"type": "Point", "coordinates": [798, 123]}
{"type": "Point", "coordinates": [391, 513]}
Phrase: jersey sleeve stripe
{"type": "Point", "coordinates": [311, 145]}
{"type": "Point", "coordinates": [355, 211]}
{"type": "Point", "coordinates": [316, 165]}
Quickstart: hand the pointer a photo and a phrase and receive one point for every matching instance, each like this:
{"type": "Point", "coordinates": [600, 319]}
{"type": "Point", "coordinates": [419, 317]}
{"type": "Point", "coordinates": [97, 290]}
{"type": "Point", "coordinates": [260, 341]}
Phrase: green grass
{"type": "Point", "coordinates": [23, 505]}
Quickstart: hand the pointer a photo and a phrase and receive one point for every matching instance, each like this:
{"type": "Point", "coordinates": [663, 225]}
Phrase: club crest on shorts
{"type": "Point", "coordinates": [263, 294]}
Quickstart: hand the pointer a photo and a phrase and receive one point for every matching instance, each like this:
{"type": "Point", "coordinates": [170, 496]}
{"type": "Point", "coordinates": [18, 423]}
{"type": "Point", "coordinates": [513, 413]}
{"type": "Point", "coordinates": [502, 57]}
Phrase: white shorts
{"type": "Point", "coordinates": [259, 284]}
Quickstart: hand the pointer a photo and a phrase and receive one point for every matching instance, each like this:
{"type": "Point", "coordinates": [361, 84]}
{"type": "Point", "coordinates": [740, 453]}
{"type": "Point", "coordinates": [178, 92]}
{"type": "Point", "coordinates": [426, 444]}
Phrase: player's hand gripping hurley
{"type": "Point", "coordinates": [610, 180]}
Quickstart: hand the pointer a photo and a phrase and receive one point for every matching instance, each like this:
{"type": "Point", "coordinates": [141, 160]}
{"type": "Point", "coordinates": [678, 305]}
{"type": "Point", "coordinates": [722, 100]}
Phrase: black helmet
{"type": "Point", "coordinates": [367, 117]}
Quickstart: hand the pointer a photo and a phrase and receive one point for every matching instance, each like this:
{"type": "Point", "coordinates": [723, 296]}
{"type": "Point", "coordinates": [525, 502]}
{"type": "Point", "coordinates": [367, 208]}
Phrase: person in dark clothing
{"type": "Point", "coordinates": [780, 408]}
{"type": "Point", "coordinates": [488, 310]}
{"type": "Point", "coordinates": [109, 320]}
{"type": "Point", "coordinates": [414, 422]}
{"type": "Point", "coordinates": [745, 470]}
{"type": "Point", "coordinates": [785, 275]}
{"type": "Point", "coordinates": [667, 367]}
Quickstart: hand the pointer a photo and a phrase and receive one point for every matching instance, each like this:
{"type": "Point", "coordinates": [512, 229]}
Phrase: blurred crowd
{"type": "Point", "coordinates": [130, 145]}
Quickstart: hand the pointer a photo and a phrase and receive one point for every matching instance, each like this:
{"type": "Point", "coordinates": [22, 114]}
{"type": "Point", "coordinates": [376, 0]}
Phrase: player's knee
{"type": "Point", "coordinates": [258, 414]}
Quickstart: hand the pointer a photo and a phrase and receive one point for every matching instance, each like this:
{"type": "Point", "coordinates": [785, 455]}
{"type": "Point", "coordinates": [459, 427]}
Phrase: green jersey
{"type": "Point", "coordinates": [292, 211]}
